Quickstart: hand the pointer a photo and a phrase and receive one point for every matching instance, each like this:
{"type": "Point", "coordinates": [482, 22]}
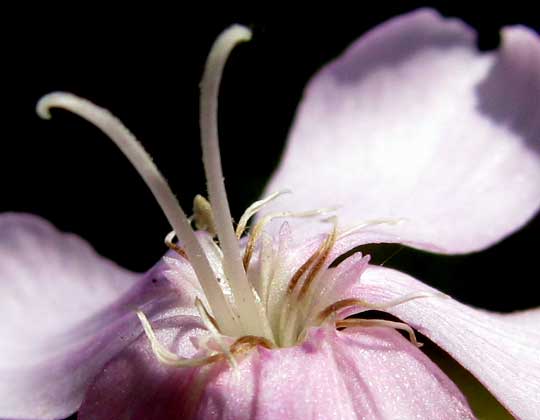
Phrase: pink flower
{"type": "Point", "coordinates": [412, 136]}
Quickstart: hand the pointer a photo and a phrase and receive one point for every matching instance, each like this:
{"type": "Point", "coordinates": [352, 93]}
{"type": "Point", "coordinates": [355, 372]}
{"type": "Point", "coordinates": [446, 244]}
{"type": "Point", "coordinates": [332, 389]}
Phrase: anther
{"type": "Point", "coordinates": [314, 264]}
{"type": "Point", "coordinates": [202, 215]}
{"type": "Point", "coordinates": [323, 255]}
{"type": "Point", "coordinates": [301, 270]}
{"type": "Point", "coordinates": [248, 342]}
{"type": "Point", "coordinates": [175, 247]}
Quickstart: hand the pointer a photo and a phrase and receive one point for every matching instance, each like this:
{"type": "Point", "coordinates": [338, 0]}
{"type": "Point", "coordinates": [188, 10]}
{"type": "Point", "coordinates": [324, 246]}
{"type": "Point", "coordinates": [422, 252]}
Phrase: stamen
{"type": "Point", "coordinates": [207, 319]}
{"type": "Point", "coordinates": [259, 227]}
{"type": "Point", "coordinates": [287, 321]}
{"type": "Point", "coordinates": [203, 216]}
{"type": "Point", "coordinates": [348, 323]}
{"type": "Point", "coordinates": [287, 329]}
{"type": "Point", "coordinates": [254, 208]}
{"type": "Point", "coordinates": [168, 358]}
{"type": "Point", "coordinates": [171, 245]}
{"type": "Point", "coordinates": [211, 325]}
{"type": "Point", "coordinates": [250, 315]}
{"type": "Point", "coordinates": [239, 347]}
{"type": "Point", "coordinates": [323, 255]}
{"type": "Point", "coordinates": [246, 343]}
{"type": "Point", "coordinates": [143, 163]}
{"type": "Point", "coordinates": [351, 302]}
{"type": "Point", "coordinates": [300, 272]}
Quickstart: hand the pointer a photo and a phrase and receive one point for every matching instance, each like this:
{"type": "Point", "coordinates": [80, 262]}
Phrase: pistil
{"type": "Point", "coordinates": [143, 163]}
{"type": "Point", "coordinates": [251, 312]}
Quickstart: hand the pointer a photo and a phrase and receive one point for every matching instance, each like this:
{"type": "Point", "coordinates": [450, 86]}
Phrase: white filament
{"type": "Point", "coordinates": [400, 301]}
{"type": "Point", "coordinates": [347, 323]}
{"type": "Point", "coordinates": [210, 325]}
{"type": "Point", "coordinates": [366, 306]}
{"type": "Point", "coordinates": [251, 314]}
{"type": "Point", "coordinates": [254, 208]}
{"type": "Point", "coordinates": [143, 163]}
{"type": "Point", "coordinates": [169, 238]}
{"type": "Point", "coordinates": [261, 224]}
{"type": "Point", "coordinates": [164, 355]}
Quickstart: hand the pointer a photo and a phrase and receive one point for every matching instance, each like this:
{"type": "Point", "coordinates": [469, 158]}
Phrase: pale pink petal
{"type": "Point", "coordinates": [412, 123]}
{"type": "Point", "coordinates": [502, 351]}
{"type": "Point", "coordinates": [530, 317]}
{"type": "Point", "coordinates": [65, 312]}
{"type": "Point", "coordinates": [135, 385]}
{"type": "Point", "coordinates": [362, 373]}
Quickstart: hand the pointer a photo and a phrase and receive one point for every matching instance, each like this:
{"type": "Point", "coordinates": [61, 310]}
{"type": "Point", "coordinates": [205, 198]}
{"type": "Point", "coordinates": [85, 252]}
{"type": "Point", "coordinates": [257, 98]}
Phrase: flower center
{"type": "Point", "coordinates": [251, 295]}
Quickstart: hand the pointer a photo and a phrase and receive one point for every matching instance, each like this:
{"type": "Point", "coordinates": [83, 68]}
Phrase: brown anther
{"type": "Point", "coordinates": [323, 255]}
{"type": "Point", "coordinates": [300, 272]}
{"type": "Point", "coordinates": [337, 306]}
{"type": "Point", "coordinates": [248, 253]}
{"type": "Point", "coordinates": [178, 249]}
{"type": "Point", "coordinates": [347, 303]}
{"type": "Point", "coordinates": [248, 342]}
{"type": "Point", "coordinates": [252, 240]}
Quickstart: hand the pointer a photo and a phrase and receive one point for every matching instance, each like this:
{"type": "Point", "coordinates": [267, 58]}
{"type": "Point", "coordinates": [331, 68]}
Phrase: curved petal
{"type": "Point", "coordinates": [367, 373]}
{"type": "Point", "coordinates": [412, 123]}
{"type": "Point", "coordinates": [501, 351]}
{"type": "Point", "coordinates": [65, 312]}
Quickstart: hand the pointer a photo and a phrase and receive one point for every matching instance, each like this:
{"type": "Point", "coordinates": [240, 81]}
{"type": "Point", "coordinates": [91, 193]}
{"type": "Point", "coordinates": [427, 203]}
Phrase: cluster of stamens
{"type": "Point", "coordinates": [244, 311]}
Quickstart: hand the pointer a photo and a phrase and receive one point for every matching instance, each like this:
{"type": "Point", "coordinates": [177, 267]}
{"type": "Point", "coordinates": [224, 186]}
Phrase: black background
{"type": "Point", "coordinates": [144, 64]}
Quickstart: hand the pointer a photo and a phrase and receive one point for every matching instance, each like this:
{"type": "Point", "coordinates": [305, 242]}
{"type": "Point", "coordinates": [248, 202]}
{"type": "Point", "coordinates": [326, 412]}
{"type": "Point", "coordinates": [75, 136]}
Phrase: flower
{"type": "Point", "coordinates": [416, 137]}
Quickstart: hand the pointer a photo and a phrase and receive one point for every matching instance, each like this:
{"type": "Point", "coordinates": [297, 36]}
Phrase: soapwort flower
{"type": "Point", "coordinates": [412, 136]}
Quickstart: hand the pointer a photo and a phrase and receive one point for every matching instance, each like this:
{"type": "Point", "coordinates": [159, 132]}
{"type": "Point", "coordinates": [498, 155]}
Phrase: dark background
{"type": "Point", "coordinates": [145, 66]}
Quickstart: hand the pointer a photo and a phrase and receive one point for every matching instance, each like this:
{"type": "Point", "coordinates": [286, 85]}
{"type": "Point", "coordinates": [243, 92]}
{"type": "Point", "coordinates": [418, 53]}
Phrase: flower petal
{"type": "Point", "coordinates": [530, 317]}
{"type": "Point", "coordinates": [412, 123]}
{"type": "Point", "coordinates": [501, 351]}
{"type": "Point", "coordinates": [367, 373]}
{"type": "Point", "coordinates": [149, 389]}
{"type": "Point", "coordinates": [66, 311]}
